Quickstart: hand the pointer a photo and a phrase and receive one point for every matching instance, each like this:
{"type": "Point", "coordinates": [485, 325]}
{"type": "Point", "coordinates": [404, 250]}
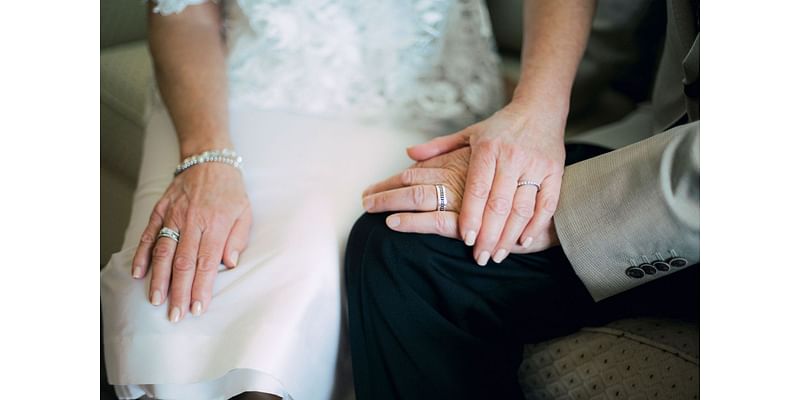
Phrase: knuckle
{"type": "Point", "coordinates": [148, 238]}
{"type": "Point", "coordinates": [219, 218]}
{"type": "Point", "coordinates": [161, 252]}
{"type": "Point", "coordinates": [486, 146]}
{"type": "Point", "coordinates": [549, 205]}
{"type": "Point", "coordinates": [183, 263]}
{"type": "Point", "coordinates": [193, 215]}
{"type": "Point", "coordinates": [479, 146]}
{"type": "Point", "coordinates": [206, 263]}
{"type": "Point", "coordinates": [499, 205]}
{"type": "Point", "coordinates": [379, 200]}
{"type": "Point", "coordinates": [209, 222]}
{"type": "Point", "coordinates": [523, 210]}
{"type": "Point", "coordinates": [516, 150]}
{"type": "Point", "coordinates": [178, 207]}
{"type": "Point", "coordinates": [418, 195]}
{"type": "Point", "coordinates": [479, 189]}
{"type": "Point", "coordinates": [552, 165]}
{"type": "Point", "coordinates": [407, 177]}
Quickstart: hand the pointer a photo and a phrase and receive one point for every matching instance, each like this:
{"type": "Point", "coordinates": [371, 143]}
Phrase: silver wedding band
{"type": "Point", "coordinates": [441, 197]}
{"type": "Point", "coordinates": [169, 233]}
{"type": "Point", "coordinates": [530, 183]}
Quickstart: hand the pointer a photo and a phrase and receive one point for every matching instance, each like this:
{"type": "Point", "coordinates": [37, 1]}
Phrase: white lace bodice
{"type": "Point", "coordinates": [430, 62]}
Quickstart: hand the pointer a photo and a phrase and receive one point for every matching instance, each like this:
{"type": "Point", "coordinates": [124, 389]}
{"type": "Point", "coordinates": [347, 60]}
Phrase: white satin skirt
{"type": "Point", "coordinates": [275, 322]}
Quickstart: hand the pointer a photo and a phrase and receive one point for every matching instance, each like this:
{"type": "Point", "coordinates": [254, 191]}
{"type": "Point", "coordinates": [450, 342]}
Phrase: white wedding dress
{"type": "Point", "coordinates": [325, 96]}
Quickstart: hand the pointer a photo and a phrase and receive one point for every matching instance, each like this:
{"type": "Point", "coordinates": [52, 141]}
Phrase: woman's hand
{"type": "Point", "coordinates": [207, 204]}
{"type": "Point", "coordinates": [513, 145]}
{"type": "Point", "coordinates": [413, 191]}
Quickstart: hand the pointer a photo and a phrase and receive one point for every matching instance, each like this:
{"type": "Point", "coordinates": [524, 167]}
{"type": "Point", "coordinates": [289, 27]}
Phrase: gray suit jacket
{"type": "Point", "coordinates": [625, 216]}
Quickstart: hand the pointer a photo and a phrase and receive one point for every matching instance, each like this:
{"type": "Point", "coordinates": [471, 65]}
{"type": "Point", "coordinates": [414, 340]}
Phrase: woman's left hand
{"type": "Point", "coordinates": [514, 145]}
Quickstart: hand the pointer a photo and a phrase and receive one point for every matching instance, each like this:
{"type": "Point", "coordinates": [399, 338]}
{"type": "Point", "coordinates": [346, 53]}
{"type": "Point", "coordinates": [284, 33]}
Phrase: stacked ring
{"type": "Point", "coordinates": [169, 233]}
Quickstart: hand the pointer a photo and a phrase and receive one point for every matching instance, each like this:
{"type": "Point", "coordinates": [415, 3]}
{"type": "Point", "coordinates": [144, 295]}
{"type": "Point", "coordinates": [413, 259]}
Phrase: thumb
{"type": "Point", "coordinates": [439, 145]}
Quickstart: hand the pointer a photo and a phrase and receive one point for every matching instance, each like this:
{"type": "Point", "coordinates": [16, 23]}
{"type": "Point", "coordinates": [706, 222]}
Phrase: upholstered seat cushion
{"type": "Point", "coordinates": [125, 76]}
{"type": "Point", "coordinates": [641, 358]}
{"type": "Point", "coordinates": [125, 79]}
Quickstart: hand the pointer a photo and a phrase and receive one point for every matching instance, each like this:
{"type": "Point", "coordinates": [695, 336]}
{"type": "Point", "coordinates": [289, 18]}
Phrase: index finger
{"type": "Point", "coordinates": [480, 175]}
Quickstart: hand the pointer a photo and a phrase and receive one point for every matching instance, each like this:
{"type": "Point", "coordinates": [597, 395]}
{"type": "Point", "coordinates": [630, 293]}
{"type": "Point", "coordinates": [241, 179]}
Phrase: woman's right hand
{"type": "Point", "coordinates": [207, 204]}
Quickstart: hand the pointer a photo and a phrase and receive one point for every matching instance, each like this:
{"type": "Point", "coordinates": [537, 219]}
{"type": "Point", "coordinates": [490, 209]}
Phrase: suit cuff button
{"type": "Point", "coordinates": [677, 262]}
{"type": "Point", "coordinates": [661, 266]}
{"type": "Point", "coordinates": [634, 272]}
{"type": "Point", "coordinates": [648, 268]}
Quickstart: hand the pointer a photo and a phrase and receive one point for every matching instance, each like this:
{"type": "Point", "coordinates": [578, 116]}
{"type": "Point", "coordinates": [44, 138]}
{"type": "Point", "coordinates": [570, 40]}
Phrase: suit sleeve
{"type": "Point", "coordinates": [639, 204]}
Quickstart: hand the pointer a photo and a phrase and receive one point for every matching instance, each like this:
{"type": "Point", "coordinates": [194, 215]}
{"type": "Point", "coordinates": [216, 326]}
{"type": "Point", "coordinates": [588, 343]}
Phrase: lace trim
{"type": "Point", "coordinates": [429, 62]}
{"type": "Point", "coordinates": [167, 7]}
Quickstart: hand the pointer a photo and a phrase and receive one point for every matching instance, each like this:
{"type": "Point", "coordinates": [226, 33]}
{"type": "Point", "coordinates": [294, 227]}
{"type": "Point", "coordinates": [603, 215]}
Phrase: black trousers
{"type": "Point", "coordinates": [426, 322]}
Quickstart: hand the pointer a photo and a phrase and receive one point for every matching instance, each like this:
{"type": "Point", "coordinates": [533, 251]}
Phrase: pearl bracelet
{"type": "Point", "coordinates": [224, 156]}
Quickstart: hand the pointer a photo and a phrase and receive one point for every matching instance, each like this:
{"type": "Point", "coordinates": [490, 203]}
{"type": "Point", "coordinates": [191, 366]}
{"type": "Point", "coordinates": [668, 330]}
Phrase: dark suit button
{"type": "Point", "coordinates": [661, 266]}
{"type": "Point", "coordinates": [677, 262]}
{"type": "Point", "coordinates": [634, 272]}
{"type": "Point", "coordinates": [648, 269]}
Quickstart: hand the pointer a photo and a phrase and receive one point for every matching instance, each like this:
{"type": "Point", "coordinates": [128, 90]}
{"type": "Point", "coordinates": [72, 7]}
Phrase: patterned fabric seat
{"type": "Point", "coordinates": [640, 358]}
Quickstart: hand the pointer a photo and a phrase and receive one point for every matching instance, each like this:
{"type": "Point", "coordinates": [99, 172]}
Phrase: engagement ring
{"type": "Point", "coordinates": [169, 233]}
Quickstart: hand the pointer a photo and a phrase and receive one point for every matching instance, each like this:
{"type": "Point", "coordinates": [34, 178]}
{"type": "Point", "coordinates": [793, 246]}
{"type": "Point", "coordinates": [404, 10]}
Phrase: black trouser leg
{"type": "Point", "coordinates": [427, 322]}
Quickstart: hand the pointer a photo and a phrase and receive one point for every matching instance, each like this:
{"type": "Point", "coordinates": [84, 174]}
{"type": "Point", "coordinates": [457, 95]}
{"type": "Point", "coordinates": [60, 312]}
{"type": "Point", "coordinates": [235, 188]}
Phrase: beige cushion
{"type": "Point", "coordinates": [122, 21]}
{"type": "Point", "coordinates": [125, 81]}
{"type": "Point", "coordinates": [637, 358]}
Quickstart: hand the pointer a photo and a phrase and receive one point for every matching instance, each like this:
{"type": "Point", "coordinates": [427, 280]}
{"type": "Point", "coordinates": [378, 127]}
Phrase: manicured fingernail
{"type": "Point", "coordinates": [197, 308]}
{"type": "Point", "coordinates": [483, 258]}
{"type": "Point", "coordinates": [155, 298]}
{"type": "Point", "coordinates": [175, 314]}
{"type": "Point", "coordinates": [469, 238]}
{"type": "Point", "coordinates": [392, 221]}
{"type": "Point", "coordinates": [500, 255]}
{"type": "Point", "coordinates": [367, 203]}
{"type": "Point", "coordinates": [137, 272]}
{"type": "Point", "coordinates": [527, 243]}
{"type": "Point", "coordinates": [235, 258]}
